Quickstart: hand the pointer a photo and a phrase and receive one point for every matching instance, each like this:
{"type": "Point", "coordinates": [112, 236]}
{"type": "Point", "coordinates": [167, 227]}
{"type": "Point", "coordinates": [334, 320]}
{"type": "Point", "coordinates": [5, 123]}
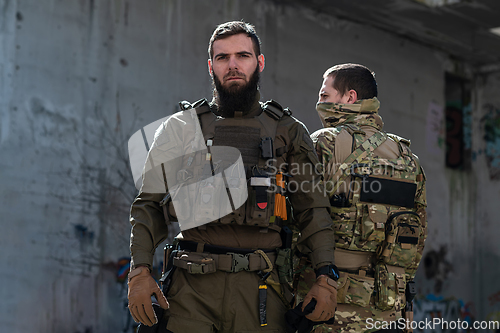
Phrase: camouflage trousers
{"type": "Point", "coordinates": [348, 317]}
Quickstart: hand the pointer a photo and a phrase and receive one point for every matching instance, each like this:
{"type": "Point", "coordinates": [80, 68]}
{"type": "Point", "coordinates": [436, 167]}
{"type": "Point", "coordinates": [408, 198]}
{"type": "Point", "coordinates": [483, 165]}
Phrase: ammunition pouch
{"type": "Point", "coordinates": [403, 230]}
{"type": "Point", "coordinates": [355, 289]}
{"type": "Point", "coordinates": [284, 262]}
{"type": "Point", "coordinates": [284, 265]}
{"type": "Point", "coordinates": [390, 288]}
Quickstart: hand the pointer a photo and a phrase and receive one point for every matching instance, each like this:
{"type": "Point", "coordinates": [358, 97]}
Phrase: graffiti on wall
{"type": "Point", "coordinates": [491, 127]}
{"type": "Point", "coordinates": [447, 309]}
{"type": "Point", "coordinates": [435, 129]}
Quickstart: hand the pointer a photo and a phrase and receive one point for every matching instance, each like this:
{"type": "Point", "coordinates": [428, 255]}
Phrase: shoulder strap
{"type": "Point", "coordinates": [403, 144]}
{"type": "Point", "coordinates": [275, 110]}
{"type": "Point", "coordinates": [352, 129]}
{"type": "Point", "coordinates": [399, 139]}
{"type": "Point", "coordinates": [367, 147]}
{"type": "Point", "coordinates": [201, 106]}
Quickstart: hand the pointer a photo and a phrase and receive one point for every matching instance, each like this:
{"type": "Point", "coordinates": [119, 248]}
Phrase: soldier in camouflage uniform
{"type": "Point", "coordinates": [377, 192]}
{"type": "Point", "coordinates": [224, 268]}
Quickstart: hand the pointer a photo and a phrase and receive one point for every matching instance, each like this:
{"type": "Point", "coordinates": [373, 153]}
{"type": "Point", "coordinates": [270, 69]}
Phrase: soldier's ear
{"type": "Point", "coordinates": [210, 69]}
{"type": "Point", "coordinates": [261, 61]}
{"type": "Point", "coordinates": [352, 96]}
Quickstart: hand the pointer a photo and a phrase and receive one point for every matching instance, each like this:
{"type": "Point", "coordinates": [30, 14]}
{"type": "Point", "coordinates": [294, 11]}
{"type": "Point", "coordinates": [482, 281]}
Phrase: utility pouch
{"type": "Point", "coordinates": [390, 287]}
{"type": "Point", "coordinates": [260, 204]}
{"type": "Point", "coordinates": [343, 226]}
{"type": "Point", "coordinates": [403, 230]}
{"type": "Point", "coordinates": [284, 264]}
{"type": "Point", "coordinates": [372, 226]}
{"type": "Point", "coordinates": [355, 289]}
{"type": "Point", "coordinates": [266, 148]}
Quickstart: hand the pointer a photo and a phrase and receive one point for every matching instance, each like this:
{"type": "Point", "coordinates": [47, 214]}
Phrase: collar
{"type": "Point", "coordinates": [362, 112]}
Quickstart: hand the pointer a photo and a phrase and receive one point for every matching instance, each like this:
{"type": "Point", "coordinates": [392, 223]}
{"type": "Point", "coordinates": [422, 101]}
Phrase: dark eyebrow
{"type": "Point", "coordinates": [220, 55]}
{"type": "Point", "coordinates": [244, 52]}
{"type": "Point", "coordinates": [239, 53]}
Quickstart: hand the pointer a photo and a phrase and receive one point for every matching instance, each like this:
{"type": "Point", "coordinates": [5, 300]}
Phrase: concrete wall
{"type": "Point", "coordinates": [77, 78]}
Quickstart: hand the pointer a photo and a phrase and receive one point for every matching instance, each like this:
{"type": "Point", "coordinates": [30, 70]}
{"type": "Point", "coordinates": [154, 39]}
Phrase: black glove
{"type": "Point", "coordinates": [296, 320]}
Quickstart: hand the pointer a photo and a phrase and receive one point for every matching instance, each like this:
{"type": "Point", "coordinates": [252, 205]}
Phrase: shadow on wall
{"type": "Point", "coordinates": [437, 268]}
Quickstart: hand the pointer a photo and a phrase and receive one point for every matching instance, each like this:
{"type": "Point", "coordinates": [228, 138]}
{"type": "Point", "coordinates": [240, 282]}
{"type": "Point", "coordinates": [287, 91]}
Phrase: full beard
{"type": "Point", "coordinates": [235, 97]}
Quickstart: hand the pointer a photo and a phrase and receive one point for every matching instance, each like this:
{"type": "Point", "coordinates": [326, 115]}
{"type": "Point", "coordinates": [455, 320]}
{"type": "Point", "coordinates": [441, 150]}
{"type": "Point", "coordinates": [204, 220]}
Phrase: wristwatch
{"type": "Point", "coordinates": [330, 270]}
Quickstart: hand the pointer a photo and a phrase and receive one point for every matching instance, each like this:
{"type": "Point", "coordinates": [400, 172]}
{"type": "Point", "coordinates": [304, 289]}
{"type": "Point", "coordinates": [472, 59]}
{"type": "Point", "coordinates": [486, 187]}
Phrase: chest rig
{"type": "Point", "coordinates": [378, 217]}
{"type": "Point", "coordinates": [255, 139]}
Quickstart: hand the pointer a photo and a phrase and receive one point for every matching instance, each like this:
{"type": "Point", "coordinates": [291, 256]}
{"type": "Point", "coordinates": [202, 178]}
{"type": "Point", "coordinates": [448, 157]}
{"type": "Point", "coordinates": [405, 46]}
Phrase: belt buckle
{"type": "Point", "coordinates": [206, 266]}
{"type": "Point", "coordinates": [239, 262]}
{"type": "Point", "coordinates": [194, 268]}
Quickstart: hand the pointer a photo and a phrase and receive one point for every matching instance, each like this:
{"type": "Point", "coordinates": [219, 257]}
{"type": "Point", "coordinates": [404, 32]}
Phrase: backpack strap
{"type": "Point", "coordinates": [367, 147]}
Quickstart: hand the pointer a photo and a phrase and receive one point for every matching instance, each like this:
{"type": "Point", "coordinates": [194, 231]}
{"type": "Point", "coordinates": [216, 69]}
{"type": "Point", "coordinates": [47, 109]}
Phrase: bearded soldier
{"type": "Point", "coordinates": [225, 272]}
{"type": "Point", "coordinates": [377, 195]}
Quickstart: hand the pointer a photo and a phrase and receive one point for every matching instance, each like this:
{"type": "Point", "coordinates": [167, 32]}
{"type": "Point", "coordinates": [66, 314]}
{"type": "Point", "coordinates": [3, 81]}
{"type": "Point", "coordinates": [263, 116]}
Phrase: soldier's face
{"type": "Point", "coordinates": [328, 94]}
{"type": "Point", "coordinates": [234, 61]}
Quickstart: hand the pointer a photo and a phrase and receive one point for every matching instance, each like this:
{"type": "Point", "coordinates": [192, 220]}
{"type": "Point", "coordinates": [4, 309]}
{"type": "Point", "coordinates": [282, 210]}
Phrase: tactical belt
{"type": "Point", "coordinates": [204, 263]}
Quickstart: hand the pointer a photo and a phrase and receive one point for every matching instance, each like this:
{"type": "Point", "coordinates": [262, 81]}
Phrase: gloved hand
{"type": "Point", "coordinates": [324, 291]}
{"type": "Point", "coordinates": [141, 286]}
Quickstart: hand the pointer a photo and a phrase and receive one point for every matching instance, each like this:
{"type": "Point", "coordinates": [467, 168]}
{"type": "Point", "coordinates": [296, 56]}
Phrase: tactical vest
{"type": "Point", "coordinates": [255, 139]}
{"type": "Point", "coordinates": [377, 217]}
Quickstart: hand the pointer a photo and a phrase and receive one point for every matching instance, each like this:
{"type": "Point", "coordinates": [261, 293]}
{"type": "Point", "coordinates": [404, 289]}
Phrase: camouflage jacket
{"type": "Point", "coordinates": [368, 289]}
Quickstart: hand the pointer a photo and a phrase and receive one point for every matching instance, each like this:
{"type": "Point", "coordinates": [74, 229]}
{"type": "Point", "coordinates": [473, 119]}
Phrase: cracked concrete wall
{"type": "Point", "coordinates": [77, 78]}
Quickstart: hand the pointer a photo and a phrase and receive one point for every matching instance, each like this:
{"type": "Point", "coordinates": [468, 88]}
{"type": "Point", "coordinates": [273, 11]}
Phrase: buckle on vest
{"type": "Point", "coordinates": [239, 262]}
{"type": "Point", "coordinates": [364, 172]}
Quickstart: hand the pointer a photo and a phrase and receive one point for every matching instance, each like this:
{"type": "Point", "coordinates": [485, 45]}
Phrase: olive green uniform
{"type": "Point", "coordinates": [224, 301]}
{"type": "Point", "coordinates": [362, 228]}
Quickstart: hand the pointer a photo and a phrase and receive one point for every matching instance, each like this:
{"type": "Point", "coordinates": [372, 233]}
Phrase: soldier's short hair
{"type": "Point", "coordinates": [353, 76]}
{"type": "Point", "coordinates": [227, 29]}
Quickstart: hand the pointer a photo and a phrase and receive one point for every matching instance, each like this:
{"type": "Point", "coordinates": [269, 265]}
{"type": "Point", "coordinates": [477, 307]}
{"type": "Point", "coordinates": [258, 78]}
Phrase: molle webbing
{"type": "Point", "coordinates": [362, 151]}
{"type": "Point", "coordinates": [245, 139]}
